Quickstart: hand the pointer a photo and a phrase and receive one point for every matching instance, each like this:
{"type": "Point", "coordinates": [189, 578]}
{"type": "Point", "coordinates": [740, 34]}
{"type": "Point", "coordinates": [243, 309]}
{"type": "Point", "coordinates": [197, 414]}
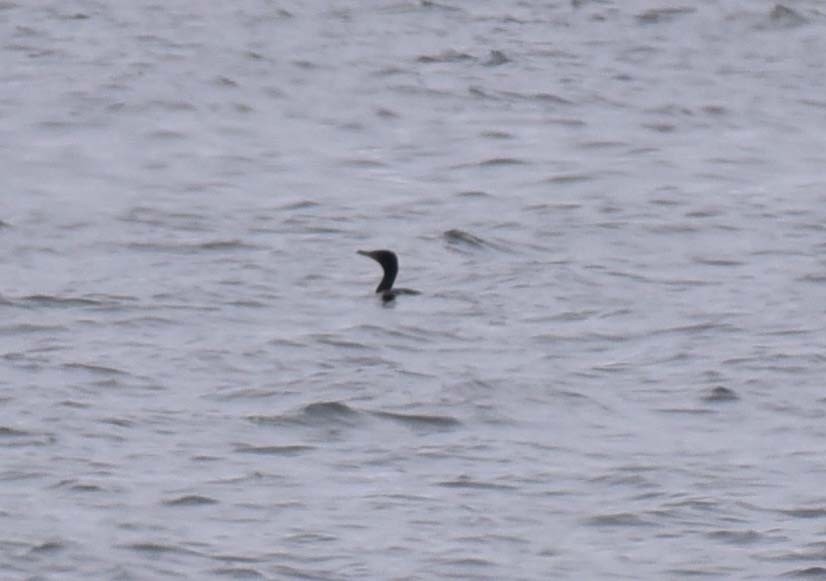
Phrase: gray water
{"type": "Point", "coordinates": [615, 212]}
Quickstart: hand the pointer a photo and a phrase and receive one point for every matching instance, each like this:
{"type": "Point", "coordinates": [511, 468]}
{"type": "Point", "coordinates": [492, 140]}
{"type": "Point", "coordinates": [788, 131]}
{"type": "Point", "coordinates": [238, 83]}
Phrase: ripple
{"type": "Point", "coordinates": [431, 5]}
{"type": "Point", "coordinates": [95, 369]}
{"type": "Point", "coordinates": [335, 341]}
{"type": "Point", "coordinates": [818, 278]}
{"type": "Point", "coordinates": [190, 500]}
{"type": "Point", "coordinates": [492, 134]}
{"type": "Point", "coordinates": [658, 15]}
{"type": "Point", "coordinates": [805, 513]}
{"type": "Point", "coordinates": [456, 236]}
{"type": "Point", "coordinates": [500, 161]}
{"type": "Point", "coordinates": [329, 409]}
{"type": "Point", "coordinates": [467, 482]}
{"type": "Point", "coordinates": [47, 548]}
{"type": "Point", "coordinates": [239, 573]}
{"type": "Point", "coordinates": [363, 163]}
{"type": "Point", "coordinates": [737, 537]}
{"type": "Point", "coordinates": [784, 17]}
{"type": "Point", "coordinates": [80, 487]}
{"type": "Point", "coordinates": [496, 58]}
{"type": "Point", "coordinates": [819, 572]}
{"type": "Point", "coordinates": [725, 262]}
{"type": "Point", "coordinates": [146, 321]}
{"type": "Point", "coordinates": [697, 329]}
{"type": "Point", "coordinates": [119, 422]}
{"type": "Point", "coordinates": [155, 549]}
{"type": "Point", "coordinates": [569, 178]}
{"type": "Point", "coordinates": [469, 562]}
{"type": "Point", "coordinates": [53, 301]}
{"type": "Point", "coordinates": [289, 450]}
{"type": "Point", "coordinates": [16, 438]}
{"type": "Point", "coordinates": [720, 394]}
{"type": "Point", "coordinates": [420, 420]}
{"type": "Point", "coordinates": [320, 414]}
{"type": "Point", "coordinates": [12, 433]}
{"type": "Point", "coordinates": [180, 220]}
{"type": "Point", "coordinates": [299, 205]}
{"type": "Point", "coordinates": [448, 56]}
{"type": "Point", "coordinates": [191, 247]}
{"type": "Point", "coordinates": [620, 519]}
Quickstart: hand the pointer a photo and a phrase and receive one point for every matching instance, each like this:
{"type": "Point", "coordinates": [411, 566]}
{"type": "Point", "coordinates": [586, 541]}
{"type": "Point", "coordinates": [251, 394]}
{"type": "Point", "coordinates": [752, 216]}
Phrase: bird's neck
{"type": "Point", "coordinates": [388, 279]}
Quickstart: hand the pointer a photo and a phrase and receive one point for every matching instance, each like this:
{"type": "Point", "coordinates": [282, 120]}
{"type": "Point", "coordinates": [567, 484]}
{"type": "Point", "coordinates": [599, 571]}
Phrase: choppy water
{"type": "Point", "coordinates": [615, 211]}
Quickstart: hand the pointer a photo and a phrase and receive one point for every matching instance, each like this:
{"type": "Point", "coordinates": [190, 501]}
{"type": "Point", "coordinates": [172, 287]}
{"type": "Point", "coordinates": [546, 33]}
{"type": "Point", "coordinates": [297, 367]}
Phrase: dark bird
{"type": "Point", "coordinates": [390, 264]}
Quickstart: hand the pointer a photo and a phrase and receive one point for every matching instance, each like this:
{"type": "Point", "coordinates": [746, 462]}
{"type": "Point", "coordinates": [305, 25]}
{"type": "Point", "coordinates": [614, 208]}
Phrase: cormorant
{"type": "Point", "coordinates": [390, 264]}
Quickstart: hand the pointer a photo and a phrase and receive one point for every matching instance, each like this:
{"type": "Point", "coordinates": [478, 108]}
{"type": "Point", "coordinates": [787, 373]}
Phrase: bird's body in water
{"type": "Point", "coordinates": [390, 264]}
